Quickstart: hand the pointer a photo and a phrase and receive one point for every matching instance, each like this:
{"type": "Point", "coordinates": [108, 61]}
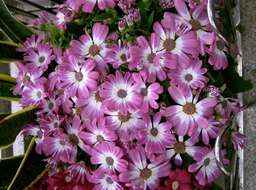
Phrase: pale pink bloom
{"type": "Point", "coordinates": [78, 172]}
{"type": "Point", "coordinates": [206, 168]}
{"type": "Point", "coordinates": [98, 132]}
{"type": "Point", "coordinates": [78, 76]}
{"type": "Point", "coordinates": [88, 5]}
{"type": "Point", "coordinates": [50, 123]}
{"type": "Point", "coordinates": [192, 76]}
{"type": "Point", "coordinates": [189, 113]}
{"type": "Point", "coordinates": [158, 135]}
{"type": "Point", "coordinates": [31, 42]}
{"type": "Point", "coordinates": [119, 93]}
{"type": "Point", "coordinates": [64, 15]}
{"type": "Point", "coordinates": [149, 92]}
{"type": "Point", "coordinates": [49, 105]}
{"type": "Point", "coordinates": [143, 174]}
{"type": "Point", "coordinates": [109, 157]}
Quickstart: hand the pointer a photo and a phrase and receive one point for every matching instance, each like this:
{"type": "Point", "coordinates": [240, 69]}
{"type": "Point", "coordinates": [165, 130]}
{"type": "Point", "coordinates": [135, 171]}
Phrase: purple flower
{"type": "Point", "coordinates": [238, 140]}
{"type": "Point", "coordinates": [78, 76]}
{"type": "Point", "coordinates": [190, 113]}
{"type": "Point", "coordinates": [78, 172]}
{"type": "Point", "coordinates": [119, 93]}
{"type": "Point", "coordinates": [166, 4]}
{"type": "Point", "coordinates": [31, 42]}
{"type": "Point", "coordinates": [88, 6]}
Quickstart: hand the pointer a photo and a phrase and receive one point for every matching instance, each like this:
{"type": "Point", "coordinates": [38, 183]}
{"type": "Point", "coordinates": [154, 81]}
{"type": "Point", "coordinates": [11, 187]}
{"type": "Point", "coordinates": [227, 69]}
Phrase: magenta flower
{"type": "Point", "coordinates": [158, 135]}
{"type": "Point", "coordinates": [148, 56]}
{"type": "Point", "coordinates": [78, 172]}
{"type": "Point", "coordinates": [119, 93]}
{"type": "Point", "coordinates": [238, 140]}
{"type": "Point", "coordinates": [98, 132]}
{"type": "Point", "coordinates": [50, 105]}
{"type": "Point", "coordinates": [180, 147]}
{"type": "Point", "coordinates": [143, 174]}
{"type": "Point", "coordinates": [79, 76]}
{"type": "Point", "coordinates": [33, 94]}
{"type": "Point", "coordinates": [93, 47]}
{"type": "Point", "coordinates": [109, 157]}
{"type": "Point", "coordinates": [31, 42]}
{"type": "Point", "coordinates": [206, 169]}
{"type": "Point", "coordinates": [149, 92]}
{"type": "Point", "coordinates": [88, 6]}
{"type": "Point", "coordinates": [182, 46]}
{"type": "Point", "coordinates": [59, 148]}
{"type": "Point", "coordinates": [191, 76]}
{"type": "Point", "coordinates": [189, 113]}
{"type": "Point", "coordinates": [64, 15]}
{"type": "Point", "coordinates": [50, 123]}
{"type": "Point", "coordinates": [39, 58]}
{"type": "Point", "coordinates": [105, 181]}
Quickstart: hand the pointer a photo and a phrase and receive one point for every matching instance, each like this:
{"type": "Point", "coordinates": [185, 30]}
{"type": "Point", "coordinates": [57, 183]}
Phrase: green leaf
{"type": "Point", "coordinates": [30, 168]}
{"type": "Point", "coordinates": [8, 52]}
{"type": "Point", "coordinates": [7, 78]}
{"type": "Point", "coordinates": [216, 186]}
{"type": "Point", "coordinates": [6, 92]}
{"type": "Point", "coordinates": [14, 29]}
{"type": "Point", "coordinates": [8, 168]}
{"type": "Point", "coordinates": [11, 125]}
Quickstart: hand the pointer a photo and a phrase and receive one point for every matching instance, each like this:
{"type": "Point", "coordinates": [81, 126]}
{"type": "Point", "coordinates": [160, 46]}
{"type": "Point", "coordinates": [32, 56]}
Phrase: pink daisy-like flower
{"type": "Point", "coordinates": [158, 135]}
{"type": "Point", "coordinates": [206, 168]}
{"type": "Point", "coordinates": [150, 93]}
{"type": "Point", "coordinates": [88, 5]}
{"type": "Point", "coordinates": [217, 56]}
{"type": "Point", "coordinates": [105, 181]}
{"type": "Point", "coordinates": [50, 105]}
{"type": "Point", "coordinates": [148, 56]}
{"type": "Point", "coordinates": [59, 148]}
{"type": "Point", "coordinates": [191, 76]}
{"type": "Point", "coordinates": [39, 58]}
{"type": "Point", "coordinates": [180, 147]}
{"type": "Point", "coordinates": [118, 55]}
{"type": "Point", "coordinates": [109, 157]}
{"type": "Point", "coordinates": [141, 174]}
{"type": "Point", "coordinates": [64, 15]}
{"type": "Point", "coordinates": [33, 94]}
{"type": "Point", "coordinates": [98, 132]}
{"type": "Point", "coordinates": [212, 131]}
{"type": "Point", "coordinates": [95, 47]}
{"type": "Point", "coordinates": [119, 93]}
{"type": "Point", "coordinates": [238, 140]}
{"type": "Point", "coordinates": [31, 42]}
{"type": "Point", "coordinates": [183, 46]}
{"type": "Point", "coordinates": [79, 76]}
{"type": "Point", "coordinates": [78, 172]}
{"type": "Point", "coordinates": [126, 124]}
{"type": "Point", "coordinates": [50, 123]}
{"type": "Point", "coordinates": [190, 113]}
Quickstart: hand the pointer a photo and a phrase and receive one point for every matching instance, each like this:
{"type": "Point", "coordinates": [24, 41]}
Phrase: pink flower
{"type": "Point", "coordinates": [50, 105]}
{"type": "Point", "coordinates": [143, 174]}
{"type": "Point", "coordinates": [109, 157]}
{"type": "Point", "coordinates": [181, 47]}
{"type": "Point", "coordinates": [31, 42]}
{"type": "Point", "coordinates": [59, 148]}
{"type": "Point", "coordinates": [39, 58]}
{"type": "Point", "coordinates": [64, 15]}
{"type": "Point", "coordinates": [119, 93]}
{"type": "Point", "coordinates": [88, 6]}
{"type": "Point", "coordinates": [149, 92]}
{"type": "Point", "coordinates": [189, 113]}
{"type": "Point", "coordinates": [238, 140]}
{"type": "Point", "coordinates": [78, 172]}
{"type": "Point", "coordinates": [50, 123]}
{"type": "Point", "coordinates": [191, 76]}
{"type": "Point", "coordinates": [148, 56]}
{"type": "Point", "coordinates": [98, 132]}
{"type": "Point", "coordinates": [158, 135]}
{"type": "Point", "coordinates": [105, 181]}
{"type": "Point", "coordinates": [33, 94]}
{"type": "Point", "coordinates": [206, 169]}
{"type": "Point", "coordinates": [179, 180]}
{"type": "Point", "coordinates": [92, 47]}
{"type": "Point", "coordinates": [78, 76]}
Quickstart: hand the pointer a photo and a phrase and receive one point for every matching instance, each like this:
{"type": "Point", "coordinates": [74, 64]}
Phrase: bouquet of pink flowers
{"type": "Point", "coordinates": [128, 95]}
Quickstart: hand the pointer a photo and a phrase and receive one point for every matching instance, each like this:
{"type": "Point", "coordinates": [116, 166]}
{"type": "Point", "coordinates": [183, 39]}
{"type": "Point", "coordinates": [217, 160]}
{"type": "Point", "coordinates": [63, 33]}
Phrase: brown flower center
{"type": "Point", "coordinates": [151, 57]}
{"type": "Point", "coordinates": [169, 44]}
{"type": "Point", "coordinates": [124, 118]}
{"type": "Point", "coordinates": [121, 93]}
{"type": "Point", "coordinates": [189, 108]}
{"type": "Point", "coordinates": [207, 161]}
{"type": "Point", "coordinates": [179, 148]}
{"type": "Point", "coordinates": [73, 139]}
{"type": "Point", "coordinates": [41, 59]}
{"type": "Point", "coordinates": [94, 50]}
{"type": "Point", "coordinates": [145, 173]}
{"type": "Point", "coordinates": [188, 77]}
{"type": "Point", "coordinates": [100, 138]}
{"type": "Point", "coordinates": [220, 45]}
{"type": "Point", "coordinates": [123, 57]}
{"type": "Point", "coordinates": [154, 132]}
{"type": "Point", "coordinates": [79, 76]}
{"type": "Point", "coordinates": [109, 180]}
{"type": "Point", "coordinates": [144, 91]}
{"type": "Point", "coordinates": [109, 161]}
{"type": "Point", "coordinates": [195, 25]}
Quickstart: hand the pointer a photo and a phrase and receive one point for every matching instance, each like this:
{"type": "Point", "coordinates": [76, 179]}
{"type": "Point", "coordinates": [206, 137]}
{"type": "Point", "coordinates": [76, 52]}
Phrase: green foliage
{"type": "Point", "coordinates": [11, 125]}
{"type": "Point", "coordinates": [8, 168]}
{"type": "Point", "coordinates": [8, 52]}
{"type": "Point", "coordinates": [30, 168]}
{"type": "Point", "coordinates": [216, 186]}
{"type": "Point", "coordinates": [12, 28]}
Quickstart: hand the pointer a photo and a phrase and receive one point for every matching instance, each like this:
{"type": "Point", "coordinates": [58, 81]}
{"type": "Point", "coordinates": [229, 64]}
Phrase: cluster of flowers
{"type": "Point", "coordinates": [126, 115]}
